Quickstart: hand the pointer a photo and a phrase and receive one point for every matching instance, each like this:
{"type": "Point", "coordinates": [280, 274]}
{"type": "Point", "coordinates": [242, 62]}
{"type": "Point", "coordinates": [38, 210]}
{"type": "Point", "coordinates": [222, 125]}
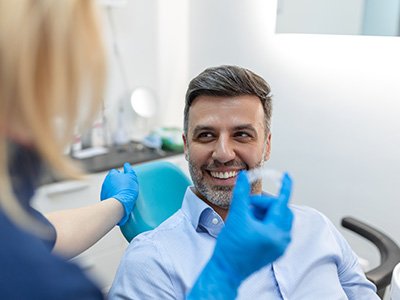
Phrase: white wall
{"type": "Point", "coordinates": [336, 124]}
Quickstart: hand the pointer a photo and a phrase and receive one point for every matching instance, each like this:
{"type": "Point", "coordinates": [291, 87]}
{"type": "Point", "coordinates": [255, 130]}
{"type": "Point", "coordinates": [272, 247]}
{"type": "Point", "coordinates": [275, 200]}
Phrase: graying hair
{"type": "Point", "coordinates": [229, 81]}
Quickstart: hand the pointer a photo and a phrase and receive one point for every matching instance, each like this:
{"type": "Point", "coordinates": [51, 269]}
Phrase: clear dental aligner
{"type": "Point", "coordinates": [265, 174]}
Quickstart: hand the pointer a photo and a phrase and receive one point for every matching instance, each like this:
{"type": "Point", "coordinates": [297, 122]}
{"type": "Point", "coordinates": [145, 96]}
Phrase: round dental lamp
{"type": "Point", "coordinates": [143, 102]}
{"type": "Point", "coordinates": [144, 106]}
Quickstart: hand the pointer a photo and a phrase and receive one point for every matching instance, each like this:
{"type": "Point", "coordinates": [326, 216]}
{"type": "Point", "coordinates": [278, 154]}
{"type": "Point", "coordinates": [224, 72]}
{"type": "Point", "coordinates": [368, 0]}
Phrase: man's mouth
{"type": "Point", "coordinates": [223, 175]}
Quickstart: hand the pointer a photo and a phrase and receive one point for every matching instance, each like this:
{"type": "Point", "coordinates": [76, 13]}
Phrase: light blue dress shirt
{"type": "Point", "coordinates": [165, 262]}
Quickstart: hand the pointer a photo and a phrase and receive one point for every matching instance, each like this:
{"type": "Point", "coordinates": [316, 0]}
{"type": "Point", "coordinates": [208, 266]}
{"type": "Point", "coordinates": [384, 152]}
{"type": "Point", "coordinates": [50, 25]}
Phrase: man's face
{"type": "Point", "coordinates": [225, 135]}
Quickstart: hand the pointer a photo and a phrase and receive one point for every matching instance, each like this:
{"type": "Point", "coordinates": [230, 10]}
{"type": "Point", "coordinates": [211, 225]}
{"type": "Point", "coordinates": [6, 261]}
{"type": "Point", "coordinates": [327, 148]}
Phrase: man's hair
{"type": "Point", "coordinates": [229, 81]}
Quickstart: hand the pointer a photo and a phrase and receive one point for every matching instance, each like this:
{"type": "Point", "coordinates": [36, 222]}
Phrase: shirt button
{"type": "Point", "coordinates": [215, 221]}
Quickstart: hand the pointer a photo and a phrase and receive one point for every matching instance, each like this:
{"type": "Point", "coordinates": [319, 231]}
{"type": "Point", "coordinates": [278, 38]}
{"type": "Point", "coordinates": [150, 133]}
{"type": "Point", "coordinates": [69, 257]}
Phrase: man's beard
{"type": "Point", "coordinates": [218, 195]}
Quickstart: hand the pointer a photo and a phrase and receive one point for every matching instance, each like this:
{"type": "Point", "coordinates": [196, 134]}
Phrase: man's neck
{"type": "Point", "coordinates": [222, 212]}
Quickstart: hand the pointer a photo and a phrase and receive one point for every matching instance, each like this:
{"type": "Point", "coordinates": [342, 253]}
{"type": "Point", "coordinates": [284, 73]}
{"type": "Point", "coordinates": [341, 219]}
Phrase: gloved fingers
{"type": "Point", "coordinates": [280, 215]}
{"type": "Point", "coordinates": [288, 219]}
{"type": "Point", "coordinates": [128, 168]}
{"type": "Point", "coordinates": [113, 171]}
{"type": "Point", "coordinates": [258, 212]}
{"type": "Point", "coordinates": [279, 212]}
{"type": "Point", "coordinates": [285, 218]}
{"type": "Point", "coordinates": [262, 201]}
{"type": "Point", "coordinates": [259, 205]}
{"type": "Point", "coordinates": [286, 189]}
{"type": "Point", "coordinates": [241, 193]}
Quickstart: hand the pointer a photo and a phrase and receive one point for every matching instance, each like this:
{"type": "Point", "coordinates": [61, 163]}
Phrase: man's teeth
{"type": "Point", "coordinates": [224, 175]}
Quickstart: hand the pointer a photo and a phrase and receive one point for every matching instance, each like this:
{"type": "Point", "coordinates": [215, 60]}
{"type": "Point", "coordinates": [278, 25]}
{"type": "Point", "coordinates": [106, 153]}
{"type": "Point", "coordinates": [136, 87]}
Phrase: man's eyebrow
{"type": "Point", "coordinates": [200, 128]}
{"type": "Point", "coordinates": [245, 127]}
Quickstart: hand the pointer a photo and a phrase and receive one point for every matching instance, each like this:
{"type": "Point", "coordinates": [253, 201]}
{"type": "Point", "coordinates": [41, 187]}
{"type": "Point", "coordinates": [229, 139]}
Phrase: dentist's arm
{"type": "Point", "coordinates": [257, 232]}
{"type": "Point", "coordinates": [80, 228]}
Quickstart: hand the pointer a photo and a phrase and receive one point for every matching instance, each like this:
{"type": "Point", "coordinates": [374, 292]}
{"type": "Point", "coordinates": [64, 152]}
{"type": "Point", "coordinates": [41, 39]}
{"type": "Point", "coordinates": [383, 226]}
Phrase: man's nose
{"type": "Point", "coordinates": [223, 150]}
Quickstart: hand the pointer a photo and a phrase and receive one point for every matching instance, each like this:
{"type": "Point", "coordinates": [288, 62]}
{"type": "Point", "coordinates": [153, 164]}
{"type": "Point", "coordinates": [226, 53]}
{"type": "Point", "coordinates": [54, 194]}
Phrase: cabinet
{"type": "Point", "coordinates": [100, 261]}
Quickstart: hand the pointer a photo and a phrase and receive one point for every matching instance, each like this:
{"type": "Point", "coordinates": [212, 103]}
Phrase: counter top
{"type": "Point", "coordinates": [133, 153]}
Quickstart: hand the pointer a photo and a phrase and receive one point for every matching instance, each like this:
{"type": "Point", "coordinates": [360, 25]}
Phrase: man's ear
{"type": "Point", "coordinates": [268, 147]}
{"type": "Point", "coordinates": [185, 147]}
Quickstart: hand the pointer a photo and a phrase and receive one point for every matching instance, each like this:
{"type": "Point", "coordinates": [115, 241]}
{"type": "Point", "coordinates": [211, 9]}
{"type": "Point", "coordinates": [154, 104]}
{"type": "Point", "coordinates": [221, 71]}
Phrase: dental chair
{"type": "Point", "coordinates": [163, 185]}
{"type": "Point", "coordinates": [388, 249]}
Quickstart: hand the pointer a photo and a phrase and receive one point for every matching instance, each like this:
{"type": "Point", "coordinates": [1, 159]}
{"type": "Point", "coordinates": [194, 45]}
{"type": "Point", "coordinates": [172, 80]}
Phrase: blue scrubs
{"type": "Point", "coordinates": [28, 269]}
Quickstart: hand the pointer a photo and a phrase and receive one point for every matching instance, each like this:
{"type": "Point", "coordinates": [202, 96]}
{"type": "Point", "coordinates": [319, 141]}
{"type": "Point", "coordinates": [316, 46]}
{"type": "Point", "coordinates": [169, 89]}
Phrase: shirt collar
{"type": "Point", "coordinates": [202, 217]}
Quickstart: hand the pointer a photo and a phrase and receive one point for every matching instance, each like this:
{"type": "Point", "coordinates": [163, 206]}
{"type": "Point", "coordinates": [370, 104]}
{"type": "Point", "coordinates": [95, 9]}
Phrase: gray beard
{"type": "Point", "coordinates": [220, 196]}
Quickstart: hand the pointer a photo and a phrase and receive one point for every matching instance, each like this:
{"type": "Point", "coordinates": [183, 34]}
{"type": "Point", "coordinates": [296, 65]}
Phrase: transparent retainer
{"type": "Point", "coordinates": [271, 179]}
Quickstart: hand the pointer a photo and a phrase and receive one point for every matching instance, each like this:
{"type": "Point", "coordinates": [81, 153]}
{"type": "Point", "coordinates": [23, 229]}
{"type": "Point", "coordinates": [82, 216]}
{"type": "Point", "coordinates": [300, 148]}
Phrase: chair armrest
{"type": "Point", "coordinates": [388, 249]}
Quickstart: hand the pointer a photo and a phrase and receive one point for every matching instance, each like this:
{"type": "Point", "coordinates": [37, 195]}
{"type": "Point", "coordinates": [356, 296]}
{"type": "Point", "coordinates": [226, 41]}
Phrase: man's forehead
{"type": "Point", "coordinates": [232, 127]}
{"type": "Point", "coordinates": [233, 112]}
{"type": "Point", "coordinates": [229, 123]}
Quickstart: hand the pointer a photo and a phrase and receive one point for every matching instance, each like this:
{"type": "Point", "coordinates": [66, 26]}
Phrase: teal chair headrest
{"type": "Point", "coordinates": [162, 186]}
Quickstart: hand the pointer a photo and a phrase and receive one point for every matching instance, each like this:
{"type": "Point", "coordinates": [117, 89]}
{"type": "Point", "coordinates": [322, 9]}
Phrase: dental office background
{"type": "Point", "coordinates": [336, 119]}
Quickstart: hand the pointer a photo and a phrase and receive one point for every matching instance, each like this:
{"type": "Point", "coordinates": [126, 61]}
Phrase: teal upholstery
{"type": "Point", "coordinates": [162, 186]}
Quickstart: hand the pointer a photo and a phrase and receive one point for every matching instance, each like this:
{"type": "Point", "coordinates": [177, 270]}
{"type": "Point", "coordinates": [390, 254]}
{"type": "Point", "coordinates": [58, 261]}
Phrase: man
{"type": "Point", "coordinates": [226, 130]}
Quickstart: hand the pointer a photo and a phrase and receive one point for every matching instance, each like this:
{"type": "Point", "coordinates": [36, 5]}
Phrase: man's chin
{"type": "Point", "coordinates": [222, 188]}
{"type": "Point", "coordinates": [217, 195]}
{"type": "Point", "coordinates": [221, 198]}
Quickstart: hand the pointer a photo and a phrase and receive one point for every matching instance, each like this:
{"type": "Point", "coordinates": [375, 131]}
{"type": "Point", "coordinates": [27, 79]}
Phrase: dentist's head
{"type": "Point", "coordinates": [51, 76]}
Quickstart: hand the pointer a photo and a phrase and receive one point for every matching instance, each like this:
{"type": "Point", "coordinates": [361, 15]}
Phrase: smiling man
{"type": "Point", "coordinates": [227, 129]}
{"type": "Point", "coordinates": [223, 136]}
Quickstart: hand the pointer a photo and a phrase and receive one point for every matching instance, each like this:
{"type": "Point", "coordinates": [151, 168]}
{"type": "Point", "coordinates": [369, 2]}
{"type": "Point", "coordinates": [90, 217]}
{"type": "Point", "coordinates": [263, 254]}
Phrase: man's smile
{"type": "Point", "coordinates": [224, 175]}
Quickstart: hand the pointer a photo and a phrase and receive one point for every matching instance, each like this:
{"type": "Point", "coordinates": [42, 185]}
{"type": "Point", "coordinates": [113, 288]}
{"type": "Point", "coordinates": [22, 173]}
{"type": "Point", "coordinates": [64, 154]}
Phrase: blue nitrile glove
{"type": "Point", "coordinates": [257, 232]}
{"type": "Point", "coordinates": [122, 186]}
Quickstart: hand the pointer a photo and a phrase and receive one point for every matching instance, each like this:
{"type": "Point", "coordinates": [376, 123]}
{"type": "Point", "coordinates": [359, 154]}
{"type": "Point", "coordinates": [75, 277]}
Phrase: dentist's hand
{"type": "Point", "coordinates": [257, 231]}
{"type": "Point", "coordinates": [121, 186]}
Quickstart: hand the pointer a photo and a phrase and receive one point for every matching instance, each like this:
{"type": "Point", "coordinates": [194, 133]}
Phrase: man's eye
{"type": "Point", "coordinates": [205, 136]}
{"type": "Point", "coordinates": [242, 134]}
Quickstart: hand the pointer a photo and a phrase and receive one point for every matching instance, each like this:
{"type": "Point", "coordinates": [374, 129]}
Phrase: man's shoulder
{"type": "Point", "coordinates": [169, 231]}
{"type": "Point", "coordinates": [307, 214]}
{"type": "Point", "coordinates": [309, 220]}
{"type": "Point", "coordinates": [303, 210]}
{"type": "Point", "coordinates": [175, 222]}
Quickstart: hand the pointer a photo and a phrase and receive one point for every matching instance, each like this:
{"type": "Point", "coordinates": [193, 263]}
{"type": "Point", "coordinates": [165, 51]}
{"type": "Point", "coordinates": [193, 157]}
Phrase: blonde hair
{"type": "Point", "coordinates": [52, 71]}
